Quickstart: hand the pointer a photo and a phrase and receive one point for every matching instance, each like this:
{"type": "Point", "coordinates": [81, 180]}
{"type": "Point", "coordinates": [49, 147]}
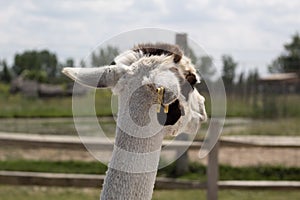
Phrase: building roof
{"type": "Point", "coordinates": [281, 77]}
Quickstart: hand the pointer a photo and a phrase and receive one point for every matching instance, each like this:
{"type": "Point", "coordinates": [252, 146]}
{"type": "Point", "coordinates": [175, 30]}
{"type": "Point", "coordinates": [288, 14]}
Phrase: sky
{"type": "Point", "coordinates": [253, 32]}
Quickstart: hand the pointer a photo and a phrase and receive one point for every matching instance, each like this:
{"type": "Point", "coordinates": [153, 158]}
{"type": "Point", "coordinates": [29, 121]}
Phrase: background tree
{"type": "Point", "coordinates": [252, 89]}
{"type": "Point", "coordinates": [240, 87]}
{"type": "Point", "coordinates": [241, 80]}
{"type": "Point", "coordinates": [36, 63]}
{"type": "Point", "coordinates": [60, 78]}
{"type": "Point", "coordinates": [69, 62]}
{"type": "Point", "coordinates": [82, 63]}
{"type": "Point", "coordinates": [289, 61]}
{"type": "Point", "coordinates": [104, 56]}
{"type": "Point", "coordinates": [5, 75]}
{"type": "Point", "coordinates": [228, 73]}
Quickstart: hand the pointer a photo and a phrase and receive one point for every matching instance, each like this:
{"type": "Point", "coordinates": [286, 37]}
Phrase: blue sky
{"type": "Point", "coordinates": [252, 31]}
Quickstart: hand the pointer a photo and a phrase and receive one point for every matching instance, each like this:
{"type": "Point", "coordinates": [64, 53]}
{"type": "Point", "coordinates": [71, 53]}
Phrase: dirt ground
{"type": "Point", "coordinates": [255, 156]}
{"type": "Point", "coordinates": [227, 155]}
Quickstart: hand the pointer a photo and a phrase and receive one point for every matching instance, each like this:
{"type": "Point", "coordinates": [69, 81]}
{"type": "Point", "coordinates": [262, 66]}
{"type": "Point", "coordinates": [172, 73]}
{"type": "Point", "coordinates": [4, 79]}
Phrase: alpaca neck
{"type": "Point", "coordinates": [132, 170]}
{"type": "Point", "coordinates": [133, 167]}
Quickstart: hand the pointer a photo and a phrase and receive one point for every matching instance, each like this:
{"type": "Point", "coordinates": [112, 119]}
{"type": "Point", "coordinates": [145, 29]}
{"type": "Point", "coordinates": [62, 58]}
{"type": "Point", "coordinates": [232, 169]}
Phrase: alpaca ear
{"type": "Point", "coordinates": [197, 103]}
{"type": "Point", "coordinates": [98, 77]}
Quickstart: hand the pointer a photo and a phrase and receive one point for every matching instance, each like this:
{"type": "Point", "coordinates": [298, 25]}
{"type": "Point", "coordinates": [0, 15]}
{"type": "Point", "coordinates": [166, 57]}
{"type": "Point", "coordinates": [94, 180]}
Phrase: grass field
{"type": "Point", "coordinates": [19, 106]}
{"type": "Point", "coordinates": [279, 106]}
{"type": "Point", "coordinates": [197, 171]}
{"type": "Point", "coordinates": [277, 127]}
{"type": "Point", "coordinates": [55, 193]}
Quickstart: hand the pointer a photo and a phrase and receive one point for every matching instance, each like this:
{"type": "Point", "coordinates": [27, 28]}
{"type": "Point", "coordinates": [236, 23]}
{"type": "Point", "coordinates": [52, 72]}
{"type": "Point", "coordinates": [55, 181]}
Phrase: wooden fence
{"type": "Point", "coordinates": [82, 180]}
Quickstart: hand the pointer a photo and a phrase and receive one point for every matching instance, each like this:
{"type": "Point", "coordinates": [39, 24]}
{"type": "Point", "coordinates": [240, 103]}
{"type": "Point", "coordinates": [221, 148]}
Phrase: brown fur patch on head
{"type": "Point", "coordinates": [160, 49]}
{"type": "Point", "coordinates": [187, 81]}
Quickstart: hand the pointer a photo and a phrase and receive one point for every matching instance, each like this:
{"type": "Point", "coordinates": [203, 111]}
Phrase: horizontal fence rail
{"type": "Point", "coordinates": [83, 180]}
{"type": "Point", "coordinates": [74, 142]}
{"type": "Point", "coordinates": [89, 180]}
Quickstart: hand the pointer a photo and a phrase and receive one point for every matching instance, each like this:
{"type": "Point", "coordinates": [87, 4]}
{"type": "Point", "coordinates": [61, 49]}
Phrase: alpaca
{"type": "Point", "coordinates": [155, 87]}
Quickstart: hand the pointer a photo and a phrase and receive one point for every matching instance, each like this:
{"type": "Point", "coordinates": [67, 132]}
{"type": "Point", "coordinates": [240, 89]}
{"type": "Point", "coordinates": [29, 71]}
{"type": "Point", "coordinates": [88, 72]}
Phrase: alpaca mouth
{"type": "Point", "coordinates": [167, 114]}
{"type": "Point", "coordinates": [174, 113]}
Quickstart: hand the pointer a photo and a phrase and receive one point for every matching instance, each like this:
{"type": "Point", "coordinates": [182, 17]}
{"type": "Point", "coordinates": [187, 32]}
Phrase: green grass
{"type": "Point", "coordinates": [275, 127]}
{"type": "Point", "coordinates": [54, 166]}
{"type": "Point", "coordinates": [20, 106]}
{"type": "Point", "coordinates": [279, 106]}
{"type": "Point", "coordinates": [56, 193]}
{"type": "Point", "coordinates": [197, 171]}
{"type": "Point", "coordinates": [259, 173]}
{"type": "Point", "coordinates": [227, 195]}
{"type": "Point", "coordinates": [46, 193]}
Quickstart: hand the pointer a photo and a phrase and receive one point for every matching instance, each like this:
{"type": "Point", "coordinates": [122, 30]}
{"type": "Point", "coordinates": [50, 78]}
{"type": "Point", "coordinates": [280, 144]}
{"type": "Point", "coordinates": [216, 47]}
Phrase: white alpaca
{"type": "Point", "coordinates": [154, 84]}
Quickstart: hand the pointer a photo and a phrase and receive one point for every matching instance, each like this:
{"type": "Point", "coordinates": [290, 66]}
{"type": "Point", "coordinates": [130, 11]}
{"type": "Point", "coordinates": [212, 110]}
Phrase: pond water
{"type": "Point", "coordinates": [55, 126]}
{"type": "Point", "coordinates": [65, 126]}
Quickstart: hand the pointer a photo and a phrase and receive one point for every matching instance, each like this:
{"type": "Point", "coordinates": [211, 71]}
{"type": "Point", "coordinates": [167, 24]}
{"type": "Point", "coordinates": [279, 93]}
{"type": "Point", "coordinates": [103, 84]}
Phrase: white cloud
{"type": "Point", "coordinates": [253, 31]}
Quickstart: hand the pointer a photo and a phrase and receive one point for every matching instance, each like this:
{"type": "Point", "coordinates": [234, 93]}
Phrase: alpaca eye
{"type": "Point", "coordinates": [174, 69]}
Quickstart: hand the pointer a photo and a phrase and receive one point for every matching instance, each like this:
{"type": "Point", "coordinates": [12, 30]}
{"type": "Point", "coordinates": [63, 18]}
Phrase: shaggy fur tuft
{"type": "Point", "coordinates": [160, 49]}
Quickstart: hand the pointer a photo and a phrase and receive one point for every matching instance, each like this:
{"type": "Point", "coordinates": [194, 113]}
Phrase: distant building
{"type": "Point", "coordinates": [32, 88]}
{"type": "Point", "coordinates": [281, 83]}
{"type": "Point", "coordinates": [27, 88]}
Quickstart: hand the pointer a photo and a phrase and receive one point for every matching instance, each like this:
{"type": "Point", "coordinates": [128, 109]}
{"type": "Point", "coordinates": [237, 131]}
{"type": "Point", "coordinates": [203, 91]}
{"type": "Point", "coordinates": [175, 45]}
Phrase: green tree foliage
{"type": "Point", "coordinates": [104, 56]}
{"type": "Point", "coordinates": [228, 73]}
{"type": "Point", "coordinates": [289, 61]}
{"type": "Point", "coordinates": [204, 64]}
{"type": "Point", "coordinates": [69, 62]}
{"type": "Point", "coordinates": [37, 63]}
{"type": "Point", "coordinates": [82, 63]}
{"type": "Point", "coordinates": [39, 76]}
{"type": "Point", "coordinates": [60, 77]}
{"type": "Point", "coordinates": [5, 75]}
{"type": "Point", "coordinates": [241, 79]}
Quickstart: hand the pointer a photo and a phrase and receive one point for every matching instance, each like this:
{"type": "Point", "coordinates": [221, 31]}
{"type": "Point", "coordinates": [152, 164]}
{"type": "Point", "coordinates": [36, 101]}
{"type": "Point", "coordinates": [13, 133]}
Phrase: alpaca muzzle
{"type": "Point", "coordinates": [167, 114]}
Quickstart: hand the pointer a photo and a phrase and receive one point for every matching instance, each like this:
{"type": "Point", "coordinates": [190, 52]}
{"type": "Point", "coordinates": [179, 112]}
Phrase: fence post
{"type": "Point", "coordinates": [213, 173]}
{"type": "Point", "coordinates": [182, 165]}
{"type": "Point", "coordinates": [212, 169]}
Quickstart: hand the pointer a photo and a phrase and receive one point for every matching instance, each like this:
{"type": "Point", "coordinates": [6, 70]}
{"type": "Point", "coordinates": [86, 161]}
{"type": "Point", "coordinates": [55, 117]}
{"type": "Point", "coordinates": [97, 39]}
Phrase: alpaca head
{"type": "Point", "coordinates": [151, 75]}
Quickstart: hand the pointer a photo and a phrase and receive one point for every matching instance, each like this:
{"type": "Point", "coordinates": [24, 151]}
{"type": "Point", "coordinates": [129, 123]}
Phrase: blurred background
{"type": "Point", "coordinates": [252, 46]}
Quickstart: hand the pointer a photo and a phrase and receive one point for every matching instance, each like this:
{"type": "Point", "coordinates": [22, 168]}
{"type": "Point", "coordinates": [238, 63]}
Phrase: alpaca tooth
{"type": "Point", "coordinates": [166, 109]}
{"type": "Point", "coordinates": [160, 97]}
